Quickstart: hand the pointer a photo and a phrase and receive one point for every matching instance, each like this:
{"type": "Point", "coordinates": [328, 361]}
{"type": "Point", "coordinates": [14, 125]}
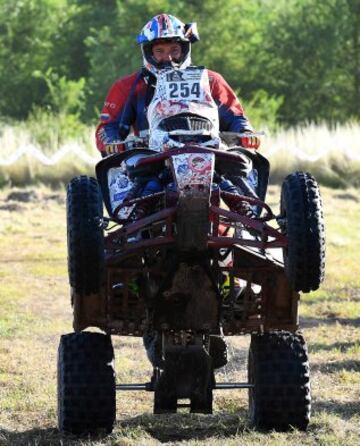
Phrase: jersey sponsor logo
{"type": "Point", "coordinates": [111, 105]}
{"type": "Point", "coordinates": [175, 76]}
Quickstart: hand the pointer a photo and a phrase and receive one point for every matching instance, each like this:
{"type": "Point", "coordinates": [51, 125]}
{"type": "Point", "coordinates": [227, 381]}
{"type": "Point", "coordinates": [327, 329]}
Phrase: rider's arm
{"type": "Point", "coordinates": [231, 112]}
{"type": "Point", "coordinates": [117, 115]}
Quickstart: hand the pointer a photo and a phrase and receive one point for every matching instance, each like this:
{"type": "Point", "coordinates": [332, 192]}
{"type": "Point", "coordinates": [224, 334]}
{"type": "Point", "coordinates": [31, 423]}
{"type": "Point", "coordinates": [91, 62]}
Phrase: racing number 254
{"type": "Point", "coordinates": [184, 89]}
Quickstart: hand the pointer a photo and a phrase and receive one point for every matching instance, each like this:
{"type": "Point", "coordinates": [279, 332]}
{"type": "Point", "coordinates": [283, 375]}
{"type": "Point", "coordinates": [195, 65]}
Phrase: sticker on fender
{"type": "Point", "coordinates": [193, 168]}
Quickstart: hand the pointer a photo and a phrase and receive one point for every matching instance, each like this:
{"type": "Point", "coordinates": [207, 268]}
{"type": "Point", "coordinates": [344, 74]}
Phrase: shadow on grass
{"type": "Point", "coordinates": [182, 427]}
{"type": "Point", "coordinates": [345, 410]}
{"type": "Point", "coordinates": [336, 366]}
{"type": "Point", "coordinates": [164, 428]}
{"type": "Point", "coordinates": [52, 437]}
{"type": "Point", "coordinates": [36, 437]}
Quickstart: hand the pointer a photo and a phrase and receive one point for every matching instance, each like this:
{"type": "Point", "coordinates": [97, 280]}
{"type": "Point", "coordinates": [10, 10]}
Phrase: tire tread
{"type": "Point", "coordinates": [305, 256]}
{"type": "Point", "coordinates": [86, 383]}
{"type": "Point", "coordinates": [85, 239]}
{"type": "Point", "coordinates": [279, 369]}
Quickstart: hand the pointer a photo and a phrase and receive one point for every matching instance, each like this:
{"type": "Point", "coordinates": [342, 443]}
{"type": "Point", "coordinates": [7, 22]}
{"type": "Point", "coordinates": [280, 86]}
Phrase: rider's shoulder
{"type": "Point", "coordinates": [215, 76]}
{"type": "Point", "coordinates": [128, 80]}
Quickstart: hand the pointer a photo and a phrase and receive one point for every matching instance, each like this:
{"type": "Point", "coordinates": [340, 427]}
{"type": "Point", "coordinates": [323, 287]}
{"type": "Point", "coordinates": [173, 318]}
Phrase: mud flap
{"type": "Point", "coordinates": [192, 223]}
{"type": "Point", "coordinates": [88, 311]}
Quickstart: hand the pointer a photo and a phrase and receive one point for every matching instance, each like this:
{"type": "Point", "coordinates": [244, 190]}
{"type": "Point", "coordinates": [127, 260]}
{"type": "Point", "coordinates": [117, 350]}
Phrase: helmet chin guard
{"type": "Point", "coordinates": [165, 27]}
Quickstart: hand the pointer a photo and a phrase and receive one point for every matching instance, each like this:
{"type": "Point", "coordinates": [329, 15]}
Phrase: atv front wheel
{"type": "Point", "coordinates": [84, 236]}
{"type": "Point", "coordinates": [302, 217]}
{"type": "Point", "coordinates": [86, 383]}
{"type": "Point", "coordinates": [278, 368]}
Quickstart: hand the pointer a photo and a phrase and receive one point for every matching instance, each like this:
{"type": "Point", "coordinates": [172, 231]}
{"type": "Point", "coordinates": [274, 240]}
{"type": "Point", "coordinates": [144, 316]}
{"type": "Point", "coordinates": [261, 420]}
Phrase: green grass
{"type": "Point", "coordinates": [35, 311]}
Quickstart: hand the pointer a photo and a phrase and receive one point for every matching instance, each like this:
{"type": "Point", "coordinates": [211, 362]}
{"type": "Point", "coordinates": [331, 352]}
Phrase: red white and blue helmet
{"type": "Point", "coordinates": [167, 27]}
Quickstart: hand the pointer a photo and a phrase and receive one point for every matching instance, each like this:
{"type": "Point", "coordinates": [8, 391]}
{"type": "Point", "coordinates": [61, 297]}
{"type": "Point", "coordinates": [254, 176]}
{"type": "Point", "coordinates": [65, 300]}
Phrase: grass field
{"type": "Point", "coordinates": [35, 311]}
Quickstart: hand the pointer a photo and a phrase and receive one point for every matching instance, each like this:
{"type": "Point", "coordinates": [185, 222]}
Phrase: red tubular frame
{"type": "Point", "coordinates": [215, 241]}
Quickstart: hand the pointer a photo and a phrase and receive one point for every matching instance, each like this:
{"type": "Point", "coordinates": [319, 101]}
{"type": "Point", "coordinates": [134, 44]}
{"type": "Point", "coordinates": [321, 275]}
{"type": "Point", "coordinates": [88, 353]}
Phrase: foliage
{"type": "Point", "coordinates": [312, 58]}
{"type": "Point", "coordinates": [263, 110]}
{"type": "Point", "coordinates": [62, 117]}
{"type": "Point", "coordinates": [28, 32]}
{"type": "Point", "coordinates": [65, 96]}
{"type": "Point", "coordinates": [297, 60]}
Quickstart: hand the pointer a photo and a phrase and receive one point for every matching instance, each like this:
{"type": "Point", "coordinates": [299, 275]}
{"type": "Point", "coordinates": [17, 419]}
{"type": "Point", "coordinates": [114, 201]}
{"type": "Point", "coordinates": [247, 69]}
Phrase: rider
{"type": "Point", "coordinates": [165, 42]}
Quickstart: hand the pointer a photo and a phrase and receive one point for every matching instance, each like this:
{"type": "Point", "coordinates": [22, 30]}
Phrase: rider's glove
{"type": "Point", "coordinates": [249, 141]}
{"type": "Point", "coordinates": [110, 149]}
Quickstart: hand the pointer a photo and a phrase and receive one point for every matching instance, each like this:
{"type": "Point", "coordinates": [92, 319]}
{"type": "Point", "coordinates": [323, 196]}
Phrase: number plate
{"type": "Point", "coordinates": [189, 90]}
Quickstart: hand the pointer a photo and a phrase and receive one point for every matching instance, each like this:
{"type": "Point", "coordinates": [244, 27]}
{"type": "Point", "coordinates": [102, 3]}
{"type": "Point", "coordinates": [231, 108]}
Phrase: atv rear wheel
{"type": "Point", "coordinates": [278, 368]}
{"type": "Point", "coordinates": [86, 383]}
{"type": "Point", "coordinates": [301, 210]}
{"type": "Point", "coordinates": [85, 238]}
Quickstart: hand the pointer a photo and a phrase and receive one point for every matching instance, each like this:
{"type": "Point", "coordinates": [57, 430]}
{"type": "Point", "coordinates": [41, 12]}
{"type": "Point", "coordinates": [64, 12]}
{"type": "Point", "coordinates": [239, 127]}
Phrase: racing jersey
{"type": "Point", "coordinates": [125, 107]}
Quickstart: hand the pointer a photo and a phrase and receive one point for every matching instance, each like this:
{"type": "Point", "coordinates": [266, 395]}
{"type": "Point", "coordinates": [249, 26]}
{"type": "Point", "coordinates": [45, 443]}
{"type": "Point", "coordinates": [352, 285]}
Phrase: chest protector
{"type": "Point", "coordinates": [183, 93]}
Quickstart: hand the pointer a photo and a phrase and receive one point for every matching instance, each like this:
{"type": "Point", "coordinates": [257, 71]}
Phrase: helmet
{"type": "Point", "coordinates": [167, 27]}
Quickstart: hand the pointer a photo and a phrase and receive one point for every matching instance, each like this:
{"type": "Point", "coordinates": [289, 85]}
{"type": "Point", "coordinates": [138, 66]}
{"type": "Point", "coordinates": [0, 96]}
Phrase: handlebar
{"type": "Point", "coordinates": [144, 139]}
{"type": "Point", "coordinates": [242, 135]}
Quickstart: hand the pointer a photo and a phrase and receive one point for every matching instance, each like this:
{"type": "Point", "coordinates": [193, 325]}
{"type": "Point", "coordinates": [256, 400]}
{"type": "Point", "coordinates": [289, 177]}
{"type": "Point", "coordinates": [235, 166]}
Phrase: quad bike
{"type": "Point", "coordinates": [156, 267]}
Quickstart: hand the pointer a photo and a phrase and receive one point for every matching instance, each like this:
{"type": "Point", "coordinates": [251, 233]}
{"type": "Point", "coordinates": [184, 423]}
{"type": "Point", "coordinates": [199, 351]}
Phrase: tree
{"type": "Point", "coordinates": [27, 29]}
{"type": "Point", "coordinates": [312, 60]}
